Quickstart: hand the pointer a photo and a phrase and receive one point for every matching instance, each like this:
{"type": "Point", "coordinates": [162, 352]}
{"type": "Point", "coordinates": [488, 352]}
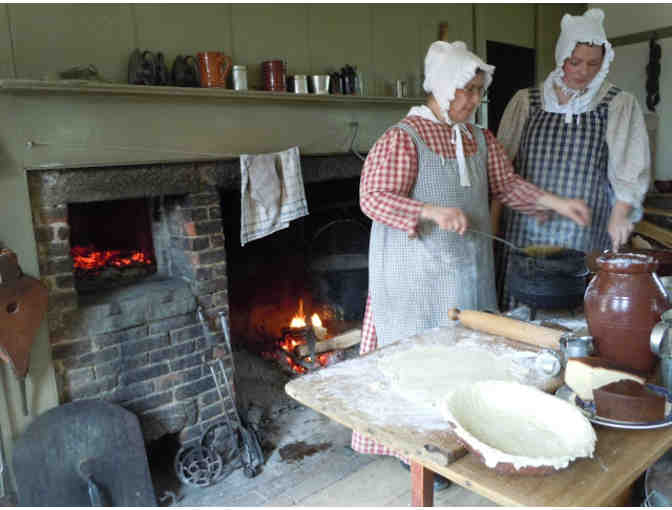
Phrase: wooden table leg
{"type": "Point", "coordinates": [422, 485]}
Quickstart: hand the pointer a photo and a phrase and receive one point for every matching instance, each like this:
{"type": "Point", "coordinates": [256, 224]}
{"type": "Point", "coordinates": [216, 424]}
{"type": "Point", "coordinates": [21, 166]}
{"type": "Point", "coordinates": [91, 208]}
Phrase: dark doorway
{"type": "Point", "coordinates": [515, 70]}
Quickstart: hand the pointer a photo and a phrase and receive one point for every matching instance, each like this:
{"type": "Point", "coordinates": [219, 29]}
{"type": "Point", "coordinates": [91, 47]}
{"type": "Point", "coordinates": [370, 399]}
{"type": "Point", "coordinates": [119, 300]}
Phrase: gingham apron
{"type": "Point", "coordinates": [414, 282]}
{"type": "Point", "coordinates": [570, 160]}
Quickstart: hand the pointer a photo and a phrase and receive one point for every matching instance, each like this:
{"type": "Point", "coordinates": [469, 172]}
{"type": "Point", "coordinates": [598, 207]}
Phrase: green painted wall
{"type": "Point", "coordinates": [548, 30]}
{"type": "Point", "coordinates": [386, 41]}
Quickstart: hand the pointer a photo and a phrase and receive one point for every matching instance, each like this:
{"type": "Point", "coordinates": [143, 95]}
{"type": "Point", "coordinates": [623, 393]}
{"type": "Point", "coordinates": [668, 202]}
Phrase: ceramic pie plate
{"type": "Point", "coordinates": [518, 429]}
{"type": "Point", "coordinates": [588, 409]}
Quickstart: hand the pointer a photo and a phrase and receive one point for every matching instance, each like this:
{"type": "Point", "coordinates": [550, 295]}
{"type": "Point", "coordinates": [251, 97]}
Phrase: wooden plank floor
{"type": "Point", "coordinates": [332, 476]}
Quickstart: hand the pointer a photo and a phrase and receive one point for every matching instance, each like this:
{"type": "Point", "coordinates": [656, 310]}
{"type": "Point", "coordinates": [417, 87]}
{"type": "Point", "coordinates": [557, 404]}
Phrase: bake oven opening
{"type": "Point", "coordinates": [111, 243]}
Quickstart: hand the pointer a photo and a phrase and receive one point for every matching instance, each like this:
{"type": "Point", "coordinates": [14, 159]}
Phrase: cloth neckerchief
{"type": "Point", "coordinates": [579, 100]}
{"type": "Point", "coordinates": [574, 30]}
{"type": "Point", "coordinates": [455, 138]}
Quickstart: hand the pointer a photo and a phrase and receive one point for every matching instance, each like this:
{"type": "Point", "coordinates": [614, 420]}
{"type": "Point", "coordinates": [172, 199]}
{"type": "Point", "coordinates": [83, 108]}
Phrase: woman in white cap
{"type": "Point", "coordinates": [580, 136]}
{"type": "Point", "coordinates": [424, 183]}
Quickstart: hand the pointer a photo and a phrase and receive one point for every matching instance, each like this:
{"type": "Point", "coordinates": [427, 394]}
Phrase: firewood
{"type": "Point", "coordinates": [660, 234]}
{"type": "Point", "coordinates": [657, 212]}
{"type": "Point", "coordinates": [342, 341]}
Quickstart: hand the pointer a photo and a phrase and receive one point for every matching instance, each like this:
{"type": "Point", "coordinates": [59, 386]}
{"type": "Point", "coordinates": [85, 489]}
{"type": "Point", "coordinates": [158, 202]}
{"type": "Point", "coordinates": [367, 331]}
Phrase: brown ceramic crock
{"type": "Point", "coordinates": [623, 302]}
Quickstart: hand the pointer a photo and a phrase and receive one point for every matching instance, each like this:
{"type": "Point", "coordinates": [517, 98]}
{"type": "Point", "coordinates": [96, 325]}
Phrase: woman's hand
{"type": "Point", "coordinates": [447, 218]}
{"type": "Point", "coordinates": [572, 208]}
{"type": "Point", "coordinates": [619, 227]}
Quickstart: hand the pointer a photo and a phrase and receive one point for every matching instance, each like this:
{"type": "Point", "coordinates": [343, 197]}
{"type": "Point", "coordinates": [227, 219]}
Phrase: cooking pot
{"type": "Point", "coordinates": [554, 281]}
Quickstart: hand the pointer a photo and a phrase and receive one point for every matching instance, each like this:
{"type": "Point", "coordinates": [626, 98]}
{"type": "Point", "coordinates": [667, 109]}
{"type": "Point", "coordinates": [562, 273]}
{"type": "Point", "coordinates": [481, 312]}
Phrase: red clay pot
{"type": "Point", "coordinates": [623, 302]}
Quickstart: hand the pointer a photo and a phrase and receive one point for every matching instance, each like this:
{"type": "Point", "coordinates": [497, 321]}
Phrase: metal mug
{"type": "Point", "coordinates": [667, 283]}
{"type": "Point", "coordinates": [320, 83]}
{"type": "Point", "coordinates": [660, 340]}
{"type": "Point", "coordinates": [576, 346]}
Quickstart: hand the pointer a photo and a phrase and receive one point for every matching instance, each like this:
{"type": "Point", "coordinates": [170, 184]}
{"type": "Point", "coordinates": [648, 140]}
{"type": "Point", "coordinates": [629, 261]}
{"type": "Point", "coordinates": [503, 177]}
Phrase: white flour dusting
{"type": "Point", "coordinates": [362, 387]}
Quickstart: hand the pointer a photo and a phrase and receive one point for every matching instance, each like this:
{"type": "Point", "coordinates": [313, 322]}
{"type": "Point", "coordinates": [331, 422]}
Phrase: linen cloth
{"type": "Point", "coordinates": [388, 178]}
{"type": "Point", "coordinates": [271, 193]}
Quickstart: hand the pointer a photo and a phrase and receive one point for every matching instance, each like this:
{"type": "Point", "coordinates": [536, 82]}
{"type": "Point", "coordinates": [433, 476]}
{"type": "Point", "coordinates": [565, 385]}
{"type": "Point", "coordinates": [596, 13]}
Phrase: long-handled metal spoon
{"type": "Point", "coordinates": [496, 238]}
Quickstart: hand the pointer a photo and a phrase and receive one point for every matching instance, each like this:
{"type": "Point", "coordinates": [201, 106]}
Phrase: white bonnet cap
{"type": "Point", "coordinates": [450, 66]}
{"type": "Point", "coordinates": [587, 28]}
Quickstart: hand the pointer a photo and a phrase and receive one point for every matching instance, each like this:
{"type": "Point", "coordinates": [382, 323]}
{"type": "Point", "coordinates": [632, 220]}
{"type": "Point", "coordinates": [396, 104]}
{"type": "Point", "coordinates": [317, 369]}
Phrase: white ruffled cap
{"type": "Point", "coordinates": [450, 66]}
{"type": "Point", "coordinates": [589, 29]}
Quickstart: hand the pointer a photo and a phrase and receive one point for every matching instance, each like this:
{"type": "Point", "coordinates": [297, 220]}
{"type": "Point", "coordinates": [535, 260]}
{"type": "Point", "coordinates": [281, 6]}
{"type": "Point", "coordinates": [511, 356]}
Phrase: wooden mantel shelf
{"type": "Point", "coordinates": [81, 87]}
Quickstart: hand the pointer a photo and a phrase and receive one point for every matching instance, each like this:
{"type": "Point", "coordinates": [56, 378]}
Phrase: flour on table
{"type": "Point", "coordinates": [429, 374]}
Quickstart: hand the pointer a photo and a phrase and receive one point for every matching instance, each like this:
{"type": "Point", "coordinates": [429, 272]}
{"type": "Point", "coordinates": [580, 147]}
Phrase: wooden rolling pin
{"type": "Point", "coordinates": [508, 328]}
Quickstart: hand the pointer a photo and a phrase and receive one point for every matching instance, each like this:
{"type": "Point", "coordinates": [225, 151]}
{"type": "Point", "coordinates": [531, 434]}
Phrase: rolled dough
{"type": "Point", "coordinates": [429, 374]}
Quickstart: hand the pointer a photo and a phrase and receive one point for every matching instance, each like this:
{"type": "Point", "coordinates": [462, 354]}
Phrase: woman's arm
{"type": "Point", "coordinates": [629, 166]}
{"type": "Point", "coordinates": [388, 176]}
{"type": "Point", "coordinates": [509, 134]}
{"type": "Point", "coordinates": [513, 120]}
{"type": "Point", "coordinates": [514, 191]}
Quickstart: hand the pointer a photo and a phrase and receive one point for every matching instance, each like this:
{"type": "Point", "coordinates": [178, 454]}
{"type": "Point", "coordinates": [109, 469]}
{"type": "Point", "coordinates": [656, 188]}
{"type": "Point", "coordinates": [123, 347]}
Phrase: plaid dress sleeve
{"type": "Point", "coordinates": [388, 176]}
{"type": "Point", "coordinates": [507, 186]}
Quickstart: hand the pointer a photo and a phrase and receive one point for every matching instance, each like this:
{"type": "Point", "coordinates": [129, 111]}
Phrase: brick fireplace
{"type": "Point", "coordinates": [139, 342]}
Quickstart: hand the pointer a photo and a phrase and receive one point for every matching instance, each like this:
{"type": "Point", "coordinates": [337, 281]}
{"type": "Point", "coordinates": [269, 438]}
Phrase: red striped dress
{"type": "Point", "coordinates": [388, 176]}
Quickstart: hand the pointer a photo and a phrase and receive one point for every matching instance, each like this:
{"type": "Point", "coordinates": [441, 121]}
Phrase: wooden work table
{"type": "Point", "coordinates": [352, 394]}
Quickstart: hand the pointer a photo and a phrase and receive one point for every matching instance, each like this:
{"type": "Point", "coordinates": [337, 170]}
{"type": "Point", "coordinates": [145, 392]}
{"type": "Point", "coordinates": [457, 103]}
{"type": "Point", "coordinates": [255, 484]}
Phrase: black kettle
{"type": "Point", "coordinates": [142, 68]}
{"type": "Point", "coordinates": [185, 72]}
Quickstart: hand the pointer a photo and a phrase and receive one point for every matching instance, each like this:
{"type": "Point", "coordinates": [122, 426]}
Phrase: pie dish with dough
{"type": "Point", "coordinates": [518, 429]}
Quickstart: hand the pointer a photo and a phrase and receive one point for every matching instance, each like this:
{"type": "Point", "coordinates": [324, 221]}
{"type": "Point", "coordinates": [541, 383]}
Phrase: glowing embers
{"type": "Point", "coordinates": [111, 243]}
{"type": "Point", "coordinates": [88, 258]}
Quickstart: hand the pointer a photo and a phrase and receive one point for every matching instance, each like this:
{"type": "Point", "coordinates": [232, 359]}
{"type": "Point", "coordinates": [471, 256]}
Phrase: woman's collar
{"type": "Point", "coordinates": [425, 112]}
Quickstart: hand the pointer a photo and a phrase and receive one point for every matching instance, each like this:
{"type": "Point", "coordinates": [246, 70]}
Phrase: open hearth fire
{"type": "Point", "coordinates": [297, 351]}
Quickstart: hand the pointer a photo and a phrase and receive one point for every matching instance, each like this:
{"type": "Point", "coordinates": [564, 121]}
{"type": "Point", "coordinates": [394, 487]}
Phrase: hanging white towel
{"type": "Point", "coordinates": [271, 193]}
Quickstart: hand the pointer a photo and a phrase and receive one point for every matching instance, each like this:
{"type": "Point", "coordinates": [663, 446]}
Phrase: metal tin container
{"type": "Point", "coordinates": [576, 346]}
{"type": "Point", "coordinates": [240, 77]}
{"type": "Point", "coordinates": [401, 88]}
{"type": "Point", "coordinates": [300, 84]}
{"type": "Point", "coordinates": [320, 83]}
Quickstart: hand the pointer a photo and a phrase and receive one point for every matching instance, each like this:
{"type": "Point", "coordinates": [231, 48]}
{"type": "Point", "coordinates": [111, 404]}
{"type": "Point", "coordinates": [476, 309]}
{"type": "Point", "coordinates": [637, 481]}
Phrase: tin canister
{"type": "Point", "coordinates": [401, 88]}
{"type": "Point", "coordinates": [300, 84]}
{"type": "Point", "coordinates": [239, 77]}
{"type": "Point", "coordinates": [275, 75]}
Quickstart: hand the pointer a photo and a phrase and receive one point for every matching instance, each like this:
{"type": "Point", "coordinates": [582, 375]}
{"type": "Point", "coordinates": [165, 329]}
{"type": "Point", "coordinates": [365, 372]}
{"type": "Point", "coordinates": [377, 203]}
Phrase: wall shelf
{"type": "Point", "coordinates": [80, 87]}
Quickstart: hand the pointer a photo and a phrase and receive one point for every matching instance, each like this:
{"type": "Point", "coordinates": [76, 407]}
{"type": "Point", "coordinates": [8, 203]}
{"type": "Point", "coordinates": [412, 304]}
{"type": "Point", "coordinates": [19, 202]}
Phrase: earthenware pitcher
{"type": "Point", "coordinates": [622, 303]}
{"type": "Point", "coordinates": [214, 67]}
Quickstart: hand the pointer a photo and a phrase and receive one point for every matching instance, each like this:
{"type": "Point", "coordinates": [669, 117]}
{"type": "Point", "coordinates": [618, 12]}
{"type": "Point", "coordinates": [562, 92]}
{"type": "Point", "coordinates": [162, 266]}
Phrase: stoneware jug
{"type": "Point", "coordinates": [622, 303]}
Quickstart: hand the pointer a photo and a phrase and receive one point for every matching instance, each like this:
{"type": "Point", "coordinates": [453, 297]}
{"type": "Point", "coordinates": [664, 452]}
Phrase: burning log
{"type": "Point", "coordinates": [342, 341]}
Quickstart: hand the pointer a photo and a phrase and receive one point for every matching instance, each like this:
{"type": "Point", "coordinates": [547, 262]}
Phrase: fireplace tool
{"type": "Point", "coordinates": [233, 440]}
{"type": "Point", "coordinates": [202, 465]}
{"type": "Point", "coordinates": [251, 454]}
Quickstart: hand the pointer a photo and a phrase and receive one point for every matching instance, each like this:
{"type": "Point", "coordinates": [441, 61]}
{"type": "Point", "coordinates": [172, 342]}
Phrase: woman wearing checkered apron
{"type": "Point", "coordinates": [423, 183]}
{"type": "Point", "coordinates": [579, 136]}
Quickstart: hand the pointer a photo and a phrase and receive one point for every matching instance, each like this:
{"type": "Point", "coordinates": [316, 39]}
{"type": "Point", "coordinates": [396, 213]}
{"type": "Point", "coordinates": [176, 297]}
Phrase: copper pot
{"type": "Point", "coordinates": [622, 304]}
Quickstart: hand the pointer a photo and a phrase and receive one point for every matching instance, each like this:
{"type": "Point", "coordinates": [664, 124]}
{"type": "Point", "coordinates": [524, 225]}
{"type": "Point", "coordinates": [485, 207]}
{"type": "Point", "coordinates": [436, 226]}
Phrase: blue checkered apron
{"type": "Point", "coordinates": [414, 282]}
{"type": "Point", "coordinates": [570, 160]}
